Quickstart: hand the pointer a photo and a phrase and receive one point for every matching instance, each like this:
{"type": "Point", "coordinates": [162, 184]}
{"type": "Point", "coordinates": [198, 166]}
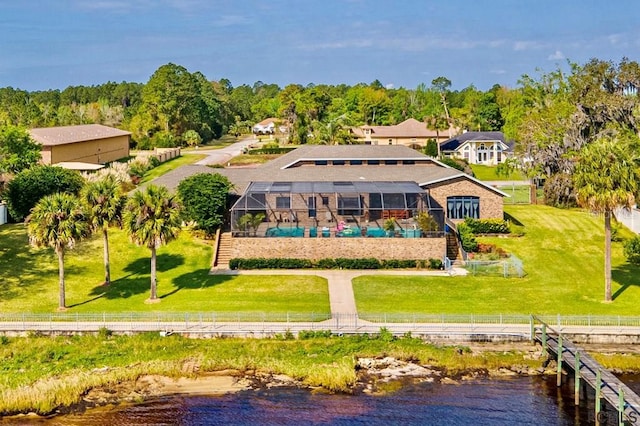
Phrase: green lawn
{"type": "Point", "coordinates": [518, 194]}
{"type": "Point", "coordinates": [167, 166]}
{"type": "Point", "coordinates": [483, 172]}
{"type": "Point", "coordinates": [562, 252]}
{"type": "Point", "coordinates": [29, 280]}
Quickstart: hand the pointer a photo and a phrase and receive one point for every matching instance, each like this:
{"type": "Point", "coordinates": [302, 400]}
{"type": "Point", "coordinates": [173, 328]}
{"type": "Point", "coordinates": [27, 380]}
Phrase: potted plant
{"type": "Point", "coordinates": [426, 223]}
{"type": "Point", "coordinates": [390, 226]}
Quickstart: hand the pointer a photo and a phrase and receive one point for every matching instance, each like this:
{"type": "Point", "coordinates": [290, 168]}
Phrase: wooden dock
{"type": "Point", "coordinates": [587, 370]}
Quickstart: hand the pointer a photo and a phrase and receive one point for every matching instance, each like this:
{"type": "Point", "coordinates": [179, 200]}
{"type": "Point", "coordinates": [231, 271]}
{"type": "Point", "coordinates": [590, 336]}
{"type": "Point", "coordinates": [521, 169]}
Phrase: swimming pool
{"type": "Point", "coordinates": [285, 232]}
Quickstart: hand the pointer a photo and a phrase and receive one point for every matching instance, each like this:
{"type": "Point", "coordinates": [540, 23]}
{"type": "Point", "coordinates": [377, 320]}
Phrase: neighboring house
{"type": "Point", "coordinates": [269, 126]}
{"type": "Point", "coordinates": [87, 143]}
{"type": "Point", "coordinates": [489, 148]}
{"type": "Point", "coordinates": [411, 133]}
{"type": "Point", "coordinates": [322, 192]}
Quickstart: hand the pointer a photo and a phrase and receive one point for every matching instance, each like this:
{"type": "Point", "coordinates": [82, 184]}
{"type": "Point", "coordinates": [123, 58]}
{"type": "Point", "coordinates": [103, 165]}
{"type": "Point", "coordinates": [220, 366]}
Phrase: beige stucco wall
{"type": "Point", "coordinates": [97, 151]}
{"type": "Point", "coordinates": [322, 248]}
{"type": "Point", "coordinates": [491, 204]}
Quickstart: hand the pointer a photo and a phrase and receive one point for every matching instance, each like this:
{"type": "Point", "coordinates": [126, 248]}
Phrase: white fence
{"type": "Point", "coordinates": [262, 324]}
{"type": "Point", "coordinates": [629, 218]}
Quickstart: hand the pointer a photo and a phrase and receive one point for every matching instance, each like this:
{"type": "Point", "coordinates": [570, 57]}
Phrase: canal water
{"type": "Point", "coordinates": [513, 401]}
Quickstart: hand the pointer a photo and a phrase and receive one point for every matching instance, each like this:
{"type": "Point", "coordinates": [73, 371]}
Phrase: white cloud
{"type": "Point", "coordinates": [521, 45]}
{"type": "Point", "coordinates": [389, 86]}
{"type": "Point", "coordinates": [498, 71]}
{"type": "Point", "coordinates": [556, 56]}
{"type": "Point", "coordinates": [408, 44]}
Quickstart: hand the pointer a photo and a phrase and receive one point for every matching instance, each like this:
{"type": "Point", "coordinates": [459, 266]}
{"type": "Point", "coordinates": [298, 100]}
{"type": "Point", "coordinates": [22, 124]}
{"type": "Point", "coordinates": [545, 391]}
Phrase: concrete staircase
{"type": "Point", "coordinates": [223, 254]}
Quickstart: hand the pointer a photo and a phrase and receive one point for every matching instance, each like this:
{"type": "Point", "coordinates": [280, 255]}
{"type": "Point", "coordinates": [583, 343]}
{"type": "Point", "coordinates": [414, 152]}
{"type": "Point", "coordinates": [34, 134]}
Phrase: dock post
{"type": "Point", "coordinates": [532, 329]}
{"type": "Point", "coordinates": [620, 406]}
{"type": "Point", "coordinates": [559, 380]}
{"type": "Point", "coordinates": [577, 379]}
{"type": "Point", "coordinates": [597, 401]}
{"type": "Point", "coordinates": [544, 340]}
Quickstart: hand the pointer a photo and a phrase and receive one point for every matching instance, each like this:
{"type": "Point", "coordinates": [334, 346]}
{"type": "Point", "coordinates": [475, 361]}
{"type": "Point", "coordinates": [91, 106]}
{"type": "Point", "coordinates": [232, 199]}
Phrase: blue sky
{"type": "Point", "coordinates": [51, 44]}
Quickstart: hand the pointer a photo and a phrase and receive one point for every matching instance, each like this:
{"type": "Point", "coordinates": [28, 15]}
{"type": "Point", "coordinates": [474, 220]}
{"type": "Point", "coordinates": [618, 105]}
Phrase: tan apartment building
{"type": "Point", "coordinates": [87, 143]}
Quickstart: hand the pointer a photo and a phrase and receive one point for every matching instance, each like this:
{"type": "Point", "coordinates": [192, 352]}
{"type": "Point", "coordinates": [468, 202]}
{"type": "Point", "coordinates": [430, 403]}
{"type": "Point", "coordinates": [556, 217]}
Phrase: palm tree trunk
{"type": "Point", "coordinates": [607, 255]}
{"type": "Point", "coordinates": [154, 295]}
{"type": "Point", "coordinates": [61, 295]}
{"type": "Point", "coordinates": [107, 269]}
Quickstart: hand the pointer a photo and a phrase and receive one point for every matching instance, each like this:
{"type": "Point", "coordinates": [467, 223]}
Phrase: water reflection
{"type": "Point", "coordinates": [522, 401]}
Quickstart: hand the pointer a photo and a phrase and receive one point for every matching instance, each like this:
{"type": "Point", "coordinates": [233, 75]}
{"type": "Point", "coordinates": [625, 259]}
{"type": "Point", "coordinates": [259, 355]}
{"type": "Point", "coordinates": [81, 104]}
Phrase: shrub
{"type": "Point", "coordinates": [205, 198]}
{"type": "Point", "coordinates": [487, 226]}
{"type": "Point", "coordinates": [30, 185]}
{"type": "Point", "coordinates": [452, 163]}
{"type": "Point", "coordinates": [164, 140]}
{"type": "Point", "coordinates": [559, 191]}
{"type": "Point", "coordinates": [365, 263]}
{"type": "Point", "coordinates": [326, 264]}
{"type": "Point", "coordinates": [314, 334]}
{"type": "Point", "coordinates": [399, 264]}
{"type": "Point", "coordinates": [435, 263]}
{"type": "Point", "coordinates": [263, 263]}
{"type": "Point", "coordinates": [469, 243]}
{"type": "Point", "coordinates": [272, 150]}
{"type": "Point", "coordinates": [632, 250]}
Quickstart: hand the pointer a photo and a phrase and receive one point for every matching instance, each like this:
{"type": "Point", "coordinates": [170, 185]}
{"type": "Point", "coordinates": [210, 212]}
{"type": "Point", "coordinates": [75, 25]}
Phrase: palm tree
{"type": "Point", "coordinates": [104, 202]}
{"type": "Point", "coordinates": [152, 218]}
{"type": "Point", "coordinates": [57, 221]}
{"type": "Point", "coordinates": [606, 177]}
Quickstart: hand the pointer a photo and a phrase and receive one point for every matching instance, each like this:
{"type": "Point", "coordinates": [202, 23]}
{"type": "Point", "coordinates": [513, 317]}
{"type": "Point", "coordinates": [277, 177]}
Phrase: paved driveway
{"type": "Point", "coordinates": [223, 155]}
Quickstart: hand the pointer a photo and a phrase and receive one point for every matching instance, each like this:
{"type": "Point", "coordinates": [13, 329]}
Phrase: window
{"type": "Point", "coordinates": [283, 203]}
{"type": "Point", "coordinates": [339, 162]}
{"type": "Point", "coordinates": [321, 162]}
{"type": "Point", "coordinates": [408, 162]}
{"type": "Point", "coordinates": [461, 207]}
{"type": "Point", "coordinates": [373, 162]}
{"type": "Point", "coordinates": [390, 162]}
{"type": "Point", "coordinates": [311, 205]}
{"type": "Point", "coordinates": [349, 206]}
{"type": "Point", "coordinates": [356, 162]}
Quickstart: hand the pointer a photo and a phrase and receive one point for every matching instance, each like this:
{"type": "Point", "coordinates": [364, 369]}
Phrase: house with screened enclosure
{"type": "Point", "coordinates": [356, 201]}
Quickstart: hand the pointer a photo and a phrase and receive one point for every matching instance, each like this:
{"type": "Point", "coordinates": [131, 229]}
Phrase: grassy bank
{"type": "Point", "coordinates": [41, 373]}
{"type": "Point", "coordinates": [562, 254]}
{"type": "Point", "coordinates": [29, 280]}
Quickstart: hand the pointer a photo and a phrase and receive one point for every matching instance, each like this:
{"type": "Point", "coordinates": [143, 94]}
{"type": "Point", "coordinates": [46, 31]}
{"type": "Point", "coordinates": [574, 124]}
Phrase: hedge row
{"type": "Point", "coordinates": [273, 150]}
{"type": "Point", "coordinates": [487, 226]}
{"type": "Point", "coordinates": [338, 263]}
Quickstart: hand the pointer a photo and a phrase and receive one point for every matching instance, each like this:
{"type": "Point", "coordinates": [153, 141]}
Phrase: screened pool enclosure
{"type": "Point", "coordinates": [335, 209]}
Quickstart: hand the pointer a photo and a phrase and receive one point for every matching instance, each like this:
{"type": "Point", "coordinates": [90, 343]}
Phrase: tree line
{"type": "Point", "coordinates": [175, 101]}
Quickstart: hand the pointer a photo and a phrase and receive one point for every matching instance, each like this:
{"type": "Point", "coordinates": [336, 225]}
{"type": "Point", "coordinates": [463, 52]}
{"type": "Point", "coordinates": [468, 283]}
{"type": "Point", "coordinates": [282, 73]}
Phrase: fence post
{"type": "Point", "coordinates": [577, 379]}
{"type": "Point", "coordinates": [620, 406]}
{"type": "Point", "coordinates": [597, 401]}
{"type": "Point", "coordinates": [544, 340]}
{"type": "Point", "coordinates": [559, 378]}
{"type": "Point", "coordinates": [532, 329]}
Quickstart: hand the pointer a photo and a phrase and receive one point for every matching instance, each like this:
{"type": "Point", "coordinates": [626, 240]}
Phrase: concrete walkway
{"type": "Point", "coordinates": [341, 298]}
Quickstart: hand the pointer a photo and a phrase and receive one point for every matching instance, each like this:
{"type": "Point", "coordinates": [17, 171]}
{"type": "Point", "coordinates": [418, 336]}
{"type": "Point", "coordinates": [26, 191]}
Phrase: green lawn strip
{"type": "Point", "coordinates": [29, 280]}
{"type": "Point", "coordinates": [41, 373]}
{"type": "Point", "coordinates": [483, 172]}
{"type": "Point", "coordinates": [172, 164]}
{"type": "Point", "coordinates": [518, 194]}
{"type": "Point", "coordinates": [562, 253]}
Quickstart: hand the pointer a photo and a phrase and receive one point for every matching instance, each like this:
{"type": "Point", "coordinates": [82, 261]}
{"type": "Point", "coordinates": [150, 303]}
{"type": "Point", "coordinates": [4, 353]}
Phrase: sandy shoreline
{"type": "Point", "coordinates": [370, 372]}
